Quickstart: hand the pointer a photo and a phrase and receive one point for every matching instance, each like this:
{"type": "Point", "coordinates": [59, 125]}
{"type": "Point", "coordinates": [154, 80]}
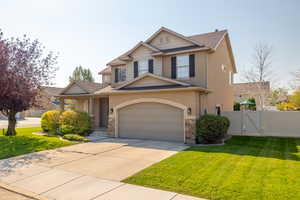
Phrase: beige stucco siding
{"type": "Point", "coordinates": [82, 105]}
{"type": "Point", "coordinates": [190, 99]}
{"type": "Point", "coordinates": [165, 40]}
{"type": "Point", "coordinates": [141, 53]}
{"type": "Point", "coordinates": [200, 69]}
{"type": "Point", "coordinates": [218, 79]}
{"type": "Point", "coordinates": [149, 81]}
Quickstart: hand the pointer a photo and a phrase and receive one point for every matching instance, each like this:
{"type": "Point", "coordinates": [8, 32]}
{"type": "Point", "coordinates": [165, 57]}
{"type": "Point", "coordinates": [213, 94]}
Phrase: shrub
{"type": "Point", "coordinates": [75, 123]}
{"type": "Point", "coordinates": [75, 137]}
{"type": "Point", "coordinates": [50, 121]}
{"type": "Point", "coordinates": [212, 128]}
{"type": "Point", "coordinates": [237, 106]}
{"type": "Point", "coordinates": [286, 107]}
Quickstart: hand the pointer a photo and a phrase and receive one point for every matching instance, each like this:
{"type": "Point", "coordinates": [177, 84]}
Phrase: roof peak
{"type": "Point", "coordinates": [219, 31]}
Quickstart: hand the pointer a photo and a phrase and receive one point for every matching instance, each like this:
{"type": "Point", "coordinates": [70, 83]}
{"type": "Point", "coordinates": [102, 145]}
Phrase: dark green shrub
{"type": "Point", "coordinates": [72, 122]}
{"type": "Point", "coordinates": [50, 121]}
{"type": "Point", "coordinates": [236, 106]}
{"type": "Point", "coordinates": [212, 129]}
{"type": "Point", "coordinates": [75, 137]}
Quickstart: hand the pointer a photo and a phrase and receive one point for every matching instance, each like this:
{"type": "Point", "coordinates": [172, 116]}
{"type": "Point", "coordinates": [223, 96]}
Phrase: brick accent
{"type": "Point", "coordinates": [190, 131]}
{"type": "Point", "coordinates": [111, 126]}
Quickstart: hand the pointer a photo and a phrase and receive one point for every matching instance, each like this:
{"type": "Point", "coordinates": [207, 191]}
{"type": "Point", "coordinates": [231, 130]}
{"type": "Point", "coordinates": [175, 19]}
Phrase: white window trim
{"type": "Point", "coordinates": [120, 74]}
{"type": "Point", "coordinates": [183, 66]}
{"type": "Point", "coordinates": [145, 68]}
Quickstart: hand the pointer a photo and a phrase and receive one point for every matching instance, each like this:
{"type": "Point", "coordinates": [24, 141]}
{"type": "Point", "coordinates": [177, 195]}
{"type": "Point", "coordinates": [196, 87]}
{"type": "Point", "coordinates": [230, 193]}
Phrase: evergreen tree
{"type": "Point", "coordinates": [81, 74]}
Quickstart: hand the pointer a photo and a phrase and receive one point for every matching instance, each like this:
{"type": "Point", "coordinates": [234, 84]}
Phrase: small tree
{"type": "Point", "coordinates": [81, 74]}
{"type": "Point", "coordinates": [278, 95]}
{"type": "Point", "coordinates": [23, 70]}
{"type": "Point", "coordinates": [261, 70]}
{"type": "Point", "coordinates": [295, 98]}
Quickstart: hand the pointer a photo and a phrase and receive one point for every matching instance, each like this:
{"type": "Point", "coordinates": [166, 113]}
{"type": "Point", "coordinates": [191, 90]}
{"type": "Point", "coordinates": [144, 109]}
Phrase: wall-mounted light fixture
{"type": "Point", "coordinates": [111, 110]}
{"type": "Point", "coordinates": [189, 110]}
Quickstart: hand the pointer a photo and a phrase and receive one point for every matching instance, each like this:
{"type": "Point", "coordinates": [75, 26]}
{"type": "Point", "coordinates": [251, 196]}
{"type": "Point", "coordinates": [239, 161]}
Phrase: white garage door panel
{"type": "Point", "coordinates": [151, 121]}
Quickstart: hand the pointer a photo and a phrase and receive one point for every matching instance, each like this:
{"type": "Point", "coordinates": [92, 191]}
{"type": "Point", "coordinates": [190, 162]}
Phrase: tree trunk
{"type": "Point", "coordinates": [11, 129]}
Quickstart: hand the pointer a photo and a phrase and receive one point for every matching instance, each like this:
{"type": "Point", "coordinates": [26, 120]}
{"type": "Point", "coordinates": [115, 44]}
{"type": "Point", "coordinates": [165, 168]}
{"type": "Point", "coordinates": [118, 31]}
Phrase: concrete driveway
{"type": "Point", "coordinates": [27, 122]}
{"type": "Point", "coordinates": [89, 170]}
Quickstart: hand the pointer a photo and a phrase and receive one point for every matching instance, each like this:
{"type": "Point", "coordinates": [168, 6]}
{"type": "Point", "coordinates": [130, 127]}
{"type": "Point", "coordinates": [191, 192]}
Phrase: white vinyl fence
{"type": "Point", "coordinates": [264, 123]}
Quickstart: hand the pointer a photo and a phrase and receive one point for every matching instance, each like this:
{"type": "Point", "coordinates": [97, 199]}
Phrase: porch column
{"type": "Point", "coordinates": [62, 104]}
{"type": "Point", "coordinates": [91, 111]}
{"type": "Point", "coordinates": [91, 106]}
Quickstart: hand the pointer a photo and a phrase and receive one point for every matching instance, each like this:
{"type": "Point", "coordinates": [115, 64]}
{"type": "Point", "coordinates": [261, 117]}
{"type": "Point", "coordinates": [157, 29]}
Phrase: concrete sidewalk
{"type": "Point", "coordinates": [27, 122]}
{"type": "Point", "coordinates": [61, 185]}
{"type": "Point", "coordinates": [89, 171]}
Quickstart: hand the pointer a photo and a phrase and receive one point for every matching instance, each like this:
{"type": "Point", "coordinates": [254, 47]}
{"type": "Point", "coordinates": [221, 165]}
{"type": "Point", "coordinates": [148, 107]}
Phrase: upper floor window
{"type": "Point", "coordinates": [143, 67]}
{"type": "Point", "coordinates": [182, 66]}
{"type": "Point", "coordinates": [120, 74]}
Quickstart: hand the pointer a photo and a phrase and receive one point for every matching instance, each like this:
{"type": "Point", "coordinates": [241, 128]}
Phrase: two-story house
{"type": "Point", "coordinates": [158, 89]}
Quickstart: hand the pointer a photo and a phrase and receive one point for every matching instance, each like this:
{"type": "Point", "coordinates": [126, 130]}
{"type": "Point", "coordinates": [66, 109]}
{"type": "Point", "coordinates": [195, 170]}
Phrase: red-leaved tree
{"type": "Point", "coordinates": [24, 68]}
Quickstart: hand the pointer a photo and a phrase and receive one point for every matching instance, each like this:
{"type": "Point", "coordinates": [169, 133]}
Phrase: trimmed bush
{"type": "Point", "coordinates": [50, 121]}
{"type": "Point", "coordinates": [75, 137]}
{"type": "Point", "coordinates": [211, 129]}
{"type": "Point", "coordinates": [72, 122]}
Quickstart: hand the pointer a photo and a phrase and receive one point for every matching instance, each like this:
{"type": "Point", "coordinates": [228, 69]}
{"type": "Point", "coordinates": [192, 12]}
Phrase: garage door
{"type": "Point", "coordinates": [153, 121]}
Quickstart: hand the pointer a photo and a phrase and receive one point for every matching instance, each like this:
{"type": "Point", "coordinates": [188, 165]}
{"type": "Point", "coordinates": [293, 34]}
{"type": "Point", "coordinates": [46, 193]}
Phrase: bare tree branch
{"type": "Point", "coordinates": [260, 71]}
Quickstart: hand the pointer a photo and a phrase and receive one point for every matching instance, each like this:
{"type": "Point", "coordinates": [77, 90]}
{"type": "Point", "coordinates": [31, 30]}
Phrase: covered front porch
{"type": "Point", "coordinates": [96, 106]}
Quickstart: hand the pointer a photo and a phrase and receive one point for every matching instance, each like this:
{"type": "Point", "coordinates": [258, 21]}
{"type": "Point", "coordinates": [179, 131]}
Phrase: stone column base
{"type": "Point", "coordinates": [190, 131]}
{"type": "Point", "coordinates": [111, 126]}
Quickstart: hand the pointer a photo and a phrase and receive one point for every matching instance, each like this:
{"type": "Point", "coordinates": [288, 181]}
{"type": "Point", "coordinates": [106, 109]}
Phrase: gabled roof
{"type": "Point", "coordinates": [155, 77]}
{"type": "Point", "coordinates": [88, 87]}
{"type": "Point", "coordinates": [118, 60]}
{"type": "Point", "coordinates": [199, 42]}
{"type": "Point", "coordinates": [107, 70]}
{"type": "Point", "coordinates": [211, 39]}
{"type": "Point", "coordinates": [173, 33]}
{"type": "Point", "coordinates": [52, 91]}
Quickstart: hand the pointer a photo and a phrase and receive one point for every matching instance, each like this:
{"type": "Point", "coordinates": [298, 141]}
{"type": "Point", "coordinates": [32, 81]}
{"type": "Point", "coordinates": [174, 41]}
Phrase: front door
{"type": "Point", "coordinates": [103, 112]}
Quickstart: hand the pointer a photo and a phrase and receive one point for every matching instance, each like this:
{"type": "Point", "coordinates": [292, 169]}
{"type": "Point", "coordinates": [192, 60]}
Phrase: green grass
{"type": "Point", "coordinates": [25, 142]}
{"type": "Point", "coordinates": [244, 168]}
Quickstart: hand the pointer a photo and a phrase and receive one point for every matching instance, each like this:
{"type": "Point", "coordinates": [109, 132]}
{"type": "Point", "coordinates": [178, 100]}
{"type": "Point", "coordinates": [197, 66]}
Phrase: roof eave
{"type": "Point", "coordinates": [183, 51]}
{"type": "Point", "coordinates": [199, 89]}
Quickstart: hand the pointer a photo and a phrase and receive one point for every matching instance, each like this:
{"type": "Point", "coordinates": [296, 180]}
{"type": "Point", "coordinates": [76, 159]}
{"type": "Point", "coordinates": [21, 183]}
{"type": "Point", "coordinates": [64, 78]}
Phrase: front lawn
{"type": "Point", "coordinates": [25, 142]}
{"type": "Point", "coordinates": [244, 168]}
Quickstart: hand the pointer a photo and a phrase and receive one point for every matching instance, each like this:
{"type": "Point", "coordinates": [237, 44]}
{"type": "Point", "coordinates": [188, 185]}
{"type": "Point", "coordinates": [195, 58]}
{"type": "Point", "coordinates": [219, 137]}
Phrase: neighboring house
{"type": "Point", "coordinates": [158, 89]}
{"type": "Point", "coordinates": [245, 91]}
{"type": "Point", "coordinates": [47, 101]}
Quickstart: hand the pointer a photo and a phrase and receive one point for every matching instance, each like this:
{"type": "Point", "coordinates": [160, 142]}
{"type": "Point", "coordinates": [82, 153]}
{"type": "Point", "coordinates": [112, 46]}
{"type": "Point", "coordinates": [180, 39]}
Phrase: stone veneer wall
{"type": "Point", "coordinates": [111, 126]}
{"type": "Point", "coordinates": [190, 131]}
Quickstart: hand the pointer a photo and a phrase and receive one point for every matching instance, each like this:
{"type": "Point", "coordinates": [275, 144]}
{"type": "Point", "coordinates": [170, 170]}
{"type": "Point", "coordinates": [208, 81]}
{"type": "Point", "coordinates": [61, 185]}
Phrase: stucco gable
{"type": "Point", "coordinates": [148, 80]}
{"type": "Point", "coordinates": [167, 40]}
{"type": "Point", "coordinates": [75, 89]}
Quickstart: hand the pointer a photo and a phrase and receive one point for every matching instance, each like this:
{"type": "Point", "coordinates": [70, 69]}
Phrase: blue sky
{"type": "Point", "coordinates": [92, 32]}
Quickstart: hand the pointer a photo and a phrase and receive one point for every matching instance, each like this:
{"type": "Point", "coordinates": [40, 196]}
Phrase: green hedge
{"type": "Point", "coordinates": [75, 137]}
{"type": "Point", "coordinates": [72, 122]}
{"type": "Point", "coordinates": [67, 122]}
{"type": "Point", "coordinates": [50, 121]}
{"type": "Point", "coordinates": [212, 129]}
